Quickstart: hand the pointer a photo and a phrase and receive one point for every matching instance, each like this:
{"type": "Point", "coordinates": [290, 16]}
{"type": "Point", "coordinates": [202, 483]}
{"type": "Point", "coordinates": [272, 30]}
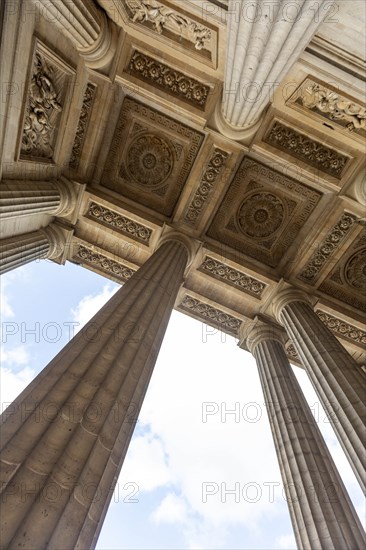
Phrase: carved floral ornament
{"type": "Point", "coordinates": [42, 110]}
{"type": "Point", "coordinates": [355, 271]}
{"type": "Point", "coordinates": [212, 315]}
{"type": "Point", "coordinates": [163, 18]}
{"type": "Point", "coordinates": [85, 113]}
{"type": "Point", "coordinates": [260, 215]}
{"type": "Point", "coordinates": [168, 79]}
{"type": "Point", "coordinates": [306, 149]}
{"type": "Point", "coordinates": [100, 261]}
{"type": "Point", "coordinates": [326, 249]}
{"type": "Point", "coordinates": [232, 276]}
{"type": "Point", "coordinates": [120, 223]}
{"type": "Point", "coordinates": [214, 168]}
{"type": "Point", "coordinates": [333, 106]}
{"type": "Point", "coordinates": [149, 160]}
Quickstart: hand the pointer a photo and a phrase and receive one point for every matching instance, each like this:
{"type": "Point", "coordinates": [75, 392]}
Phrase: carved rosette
{"type": "Point", "coordinates": [85, 113]}
{"type": "Point", "coordinates": [168, 79]}
{"type": "Point", "coordinates": [347, 281]}
{"type": "Point", "coordinates": [232, 276]}
{"type": "Point", "coordinates": [119, 223]}
{"type": "Point", "coordinates": [308, 150]}
{"type": "Point", "coordinates": [211, 315]}
{"type": "Point", "coordinates": [43, 109]}
{"type": "Point", "coordinates": [115, 269]}
{"type": "Point", "coordinates": [260, 215]}
{"type": "Point", "coordinates": [355, 271]}
{"type": "Point", "coordinates": [149, 160]}
{"type": "Point", "coordinates": [214, 168]}
{"type": "Point", "coordinates": [326, 249]}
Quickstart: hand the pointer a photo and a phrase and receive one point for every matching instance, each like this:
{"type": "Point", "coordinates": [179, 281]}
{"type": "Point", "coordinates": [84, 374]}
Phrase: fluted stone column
{"type": "Point", "coordinates": [81, 412]}
{"type": "Point", "coordinates": [47, 242]}
{"type": "Point", "coordinates": [86, 25]}
{"type": "Point", "coordinates": [264, 40]}
{"type": "Point", "coordinates": [22, 198]}
{"type": "Point", "coordinates": [335, 375]}
{"type": "Point", "coordinates": [321, 511]}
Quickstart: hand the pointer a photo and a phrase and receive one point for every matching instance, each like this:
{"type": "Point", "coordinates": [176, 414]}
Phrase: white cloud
{"type": "Point", "coordinates": [6, 311]}
{"type": "Point", "coordinates": [13, 383]}
{"type": "Point", "coordinates": [172, 509]}
{"type": "Point", "coordinates": [146, 464]}
{"type": "Point", "coordinates": [286, 542]}
{"type": "Point", "coordinates": [90, 305]}
{"type": "Point", "coordinates": [15, 356]}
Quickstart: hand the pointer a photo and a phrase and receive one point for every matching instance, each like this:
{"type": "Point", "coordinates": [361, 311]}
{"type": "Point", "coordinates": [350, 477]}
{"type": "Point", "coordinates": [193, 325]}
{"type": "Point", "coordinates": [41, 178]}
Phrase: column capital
{"type": "Point", "coordinates": [68, 196]}
{"type": "Point", "coordinates": [83, 22]}
{"type": "Point", "coordinates": [285, 297]}
{"type": "Point", "coordinates": [255, 331]}
{"type": "Point", "coordinates": [192, 245]}
{"type": "Point", "coordinates": [57, 240]}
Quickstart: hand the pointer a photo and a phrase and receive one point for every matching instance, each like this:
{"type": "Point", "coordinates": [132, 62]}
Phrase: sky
{"type": "Point", "coordinates": [201, 471]}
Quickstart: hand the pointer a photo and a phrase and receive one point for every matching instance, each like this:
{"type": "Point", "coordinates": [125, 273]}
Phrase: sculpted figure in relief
{"type": "Point", "coordinates": [38, 129]}
{"type": "Point", "coordinates": [163, 17]}
{"type": "Point", "coordinates": [338, 107]}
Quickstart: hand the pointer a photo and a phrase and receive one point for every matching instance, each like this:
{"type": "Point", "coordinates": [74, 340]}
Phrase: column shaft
{"type": "Point", "coordinates": [22, 249]}
{"type": "Point", "coordinates": [336, 377]}
{"type": "Point", "coordinates": [84, 406]}
{"type": "Point", "coordinates": [321, 511]}
{"type": "Point", "coordinates": [21, 198]}
{"type": "Point", "coordinates": [264, 40]}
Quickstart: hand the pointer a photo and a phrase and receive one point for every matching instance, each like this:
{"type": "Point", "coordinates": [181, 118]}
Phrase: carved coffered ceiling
{"type": "Point", "coordinates": [262, 213]}
{"type": "Point", "coordinates": [142, 137]}
{"type": "Point", "coordinates": [150, 157]}
{"type": "Point", "coordinates": [347, 281]}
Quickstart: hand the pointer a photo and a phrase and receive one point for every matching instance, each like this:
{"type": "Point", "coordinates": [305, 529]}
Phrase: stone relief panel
{"type": "Point", "coordinates": [49, 83]}
{"type": "Point", "coordinates": [150, 157]}
{"type": "Point", "coordinates": [308, 150]}
{"type": "Point", "coordinates": [82, 127]}
{"type": "Point", "coordinates": [343, 329]}
{"type": "Point", "coordinates": [327, 103]}
{"type": "Point", "coordinates": [118, 222]}
{"type": "Point", "coordinates": [211, 315]}
{"type": "Point", "coordinates": [176, 26]}
{"type": "Point", "coordinates": [212, 172]}
{"type": "Point", "coordinates": [233, 277]}
{"type": "Point", "coordinates": [262, 213]}
{"type": "Point", "coordinates": [168, 79]}
{"type": "Point", "coordinates": [347, 281]}
{"type": "Point", "coordinates": [112, 268]}
{"type": "Point", "coordinates": [326, 249]}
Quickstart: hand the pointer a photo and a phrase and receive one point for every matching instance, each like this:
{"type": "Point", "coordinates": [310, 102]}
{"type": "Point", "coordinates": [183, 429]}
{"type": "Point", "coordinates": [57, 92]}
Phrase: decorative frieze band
{"type": "Point", "coordinates": [332, 241]}
{"type": "Point", "coordinates": [306, 149]}
{"type": "Point", "coordinates": [119, 223]}
{"type": "Point", "coordinates": [211, 315]}
{"type": "Point", "coordinates": [172, 23]}
{"type": "Point", "coordinates": [168, 79]}
{"type": "Point", "coordinates": [213, 170]}
{"type": "Point", "coordinates": [331, 105]}
{"type": "Point", "coordinates": [232, 276]}
{"type": "Point", "coordinates": [342, 329]}
{"type": "Point", "coordinates": [101, 262]}
{"type": "Point", "coordinates": [85, 113]}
